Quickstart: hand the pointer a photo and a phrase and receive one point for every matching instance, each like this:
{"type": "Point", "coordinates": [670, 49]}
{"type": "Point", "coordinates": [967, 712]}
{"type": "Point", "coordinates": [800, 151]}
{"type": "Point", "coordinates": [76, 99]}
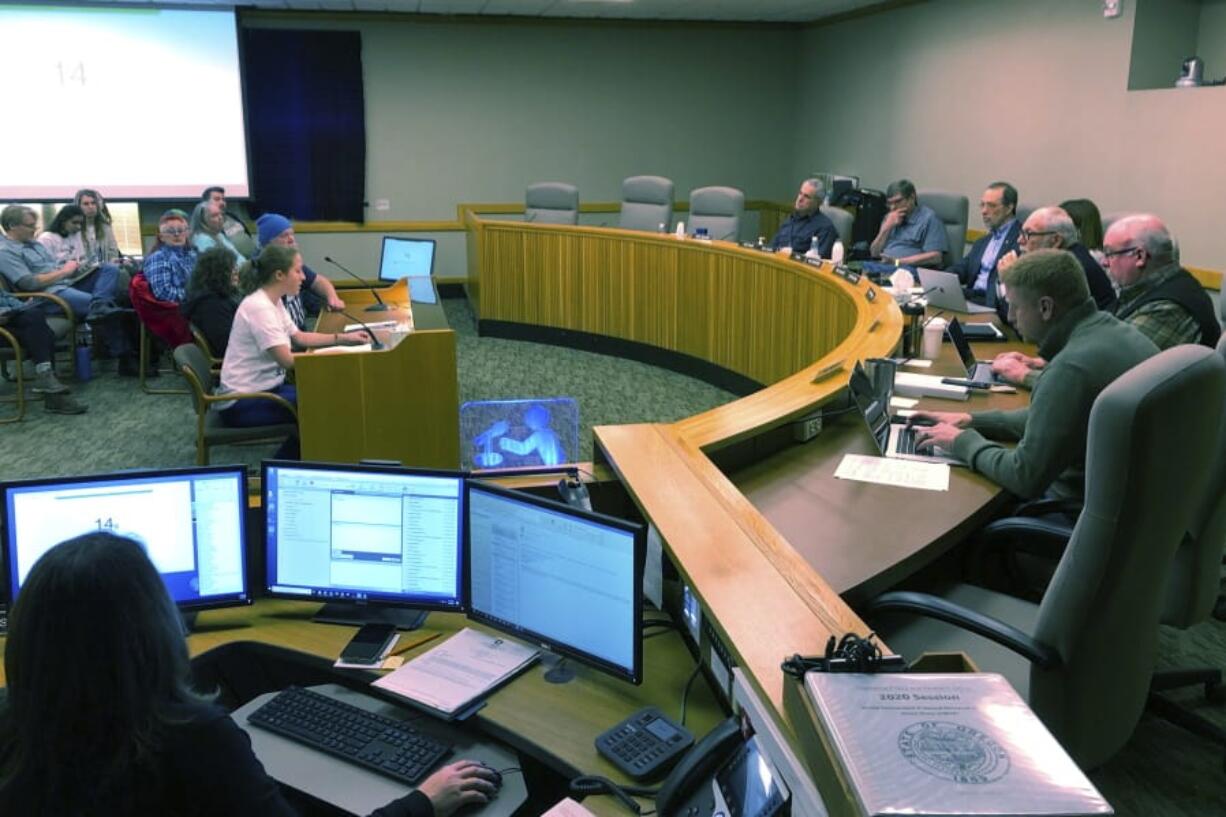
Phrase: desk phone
{"type": "Point", "coordinates": [644, 744]}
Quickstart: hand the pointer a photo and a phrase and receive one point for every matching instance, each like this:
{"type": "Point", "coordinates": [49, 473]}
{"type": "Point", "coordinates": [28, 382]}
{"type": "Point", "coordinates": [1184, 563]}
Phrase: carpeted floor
{"type": "Point", "coordinates": [1162, 772]}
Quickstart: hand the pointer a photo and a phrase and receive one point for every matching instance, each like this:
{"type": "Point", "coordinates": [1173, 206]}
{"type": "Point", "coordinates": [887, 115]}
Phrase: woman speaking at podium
{"type": "Point", "coordinates": [100, 717]}
{"type": "Point", "coordinates": [259, 353]}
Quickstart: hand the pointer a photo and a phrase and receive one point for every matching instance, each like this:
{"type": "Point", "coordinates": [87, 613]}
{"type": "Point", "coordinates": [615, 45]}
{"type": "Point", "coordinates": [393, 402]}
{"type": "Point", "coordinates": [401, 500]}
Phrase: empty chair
{"type": "Point", "coordinates": [951, 208]}
{"type": "Point", "coordinates": [1084, 655]}
{"type": "Point", "coordinates": [718, 210]}
{"type": "Point", "coordinates": [842, 221]}
{"type": "Point", "coordinates": [647, 202]}
{"type": "Point", "coordinates": [552, 203]}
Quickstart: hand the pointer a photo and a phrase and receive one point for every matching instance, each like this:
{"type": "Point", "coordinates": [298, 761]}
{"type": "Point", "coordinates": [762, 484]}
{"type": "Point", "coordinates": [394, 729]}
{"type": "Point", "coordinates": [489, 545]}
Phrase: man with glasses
{"type": "Point", "coordinates": [1157, 296]}
{"type": "Point", "coordinates": [807, 222]}
{"type": "Point", "coordinates": [170, 265]}
{"type": "Point", "coordinates": [978, 268]}
{"type": "Point", "coordinates": [911, 234]}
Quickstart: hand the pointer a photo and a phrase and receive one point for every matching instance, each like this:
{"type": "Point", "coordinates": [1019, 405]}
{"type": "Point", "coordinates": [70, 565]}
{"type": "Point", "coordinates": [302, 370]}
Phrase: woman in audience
{"type": "Point", "coordinates": [1089, 222]}
{"type": "Point", "coordinates": [101, 718]}
{"type": "Point", "coordinates": [62, 237]}
{"type": "Point", "coordinates": [208, 221]}
{"type": "Point", "coordinates": [97, 235]}
{"type": "Point", "coordinates": [259, 351]}
{"type": "Point", "coordinates": [212, 297]}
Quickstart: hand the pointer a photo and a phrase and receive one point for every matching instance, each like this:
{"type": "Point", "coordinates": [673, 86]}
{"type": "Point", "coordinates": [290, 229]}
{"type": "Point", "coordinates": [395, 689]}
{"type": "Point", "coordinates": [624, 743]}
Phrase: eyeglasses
{"type": "Point", "coordinates": [1109, 254]}
{"type": "Point", "coordinates": [174, 230]}
{"type": "Point", "coordinates": [29, 225]}
{"type": "Point", "coordinates": [1029, 234]}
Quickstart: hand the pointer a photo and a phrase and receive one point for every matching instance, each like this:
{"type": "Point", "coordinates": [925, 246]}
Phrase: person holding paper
{"type": "Point", "coordinates": [155, 745]}
{"type": "Point", "coordinates": [1050, 304]}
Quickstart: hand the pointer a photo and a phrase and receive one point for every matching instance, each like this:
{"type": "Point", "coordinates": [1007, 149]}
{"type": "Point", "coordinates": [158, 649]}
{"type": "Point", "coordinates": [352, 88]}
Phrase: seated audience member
{"type": "Point", "coordinates": [169, 264]}
{"type": "Point", "coordinates": [977, 270]}
{"type": "Point", "coordinates": [1157, 296]}
{"type": "Point", "coordinates": [1051, 228]}
{"type": "Point", "coordinates": [108, 722]}
{"type": "Point", "coordinates": [807, 222]}
{"type": "Point", "coordinates": [29, 326]}
{"type": "Point", "coordinates": [97, 235]}
{"type": "Point", "coordinates": [212, 298]}
{"type": "Point", "coordinates": [62, 238]}
{"type": "Point", "coordinates": [1089, 221]}
{"type": "Point", "coordinates": [911, 234]}
{"type": "Point", "coordinates": [235, 228]}
{"type": "Point", "coordinates": [273, 229]}
{"type": "Point", "coordinates": [1050, 304]}
{"type": "Point", "coordinates": [258, 354]}
{"type": "Point", "coordinates": [206, 230]}
{"type": "Point", "coordinates": [30, 267]}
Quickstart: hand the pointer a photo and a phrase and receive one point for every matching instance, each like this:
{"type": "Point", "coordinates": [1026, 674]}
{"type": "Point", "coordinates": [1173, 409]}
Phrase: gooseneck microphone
{"type": "Point", "coordinates": [375, 343]}
{"type": "Point", "coordinates": [380, 306]}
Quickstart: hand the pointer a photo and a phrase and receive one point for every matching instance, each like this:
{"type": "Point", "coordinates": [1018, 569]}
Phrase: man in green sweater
{"type": "Point", "coordinates": [1050, 304]}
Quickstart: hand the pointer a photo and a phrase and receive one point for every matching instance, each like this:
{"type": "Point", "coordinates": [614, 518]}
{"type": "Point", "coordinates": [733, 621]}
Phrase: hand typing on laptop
{"type": "Point", "coordinates": [1014, 366]}
{"type": "Point", "coordinates": [947, 425]}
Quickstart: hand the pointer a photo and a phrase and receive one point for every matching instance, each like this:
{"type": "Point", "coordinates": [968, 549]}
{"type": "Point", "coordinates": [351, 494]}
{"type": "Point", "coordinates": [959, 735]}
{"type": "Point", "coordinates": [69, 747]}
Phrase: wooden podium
{"type": "Point", "coordinates": [399, 403]}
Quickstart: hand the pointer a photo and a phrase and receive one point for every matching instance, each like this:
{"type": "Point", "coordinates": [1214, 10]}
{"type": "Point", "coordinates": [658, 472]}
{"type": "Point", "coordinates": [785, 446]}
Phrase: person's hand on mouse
{"type": "Point", "coordinates": [459, 784]}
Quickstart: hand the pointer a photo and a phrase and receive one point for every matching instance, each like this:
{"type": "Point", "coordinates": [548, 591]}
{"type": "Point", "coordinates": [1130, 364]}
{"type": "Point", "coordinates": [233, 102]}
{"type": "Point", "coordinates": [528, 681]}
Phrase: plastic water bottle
{"type": "Point", "coordinates": [814, 252]}
{"type": "Point", "coordinates": [836, 254]}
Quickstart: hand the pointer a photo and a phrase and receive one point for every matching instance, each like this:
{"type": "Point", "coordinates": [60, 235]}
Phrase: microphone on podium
{"type": "Point", "coordinates": [380, 306]}
{"type": "Point", "coordinates": [375, 343]}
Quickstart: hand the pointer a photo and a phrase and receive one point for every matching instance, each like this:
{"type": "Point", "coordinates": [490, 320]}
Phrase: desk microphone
{"type": "Point", "coordinates": [375, 343]}
{"type": "Point", "coordinates": [380, 306]}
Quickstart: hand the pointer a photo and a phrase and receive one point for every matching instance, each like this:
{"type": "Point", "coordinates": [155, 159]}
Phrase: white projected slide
{"type": "Point", "coordinates": [157, 515]}
{"type": "Point", "coordinates": [136, 102]}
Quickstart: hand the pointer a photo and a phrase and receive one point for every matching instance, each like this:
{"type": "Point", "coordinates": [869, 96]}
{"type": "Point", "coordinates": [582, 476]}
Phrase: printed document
{"type": "Point", "coordinates": [927, 476]}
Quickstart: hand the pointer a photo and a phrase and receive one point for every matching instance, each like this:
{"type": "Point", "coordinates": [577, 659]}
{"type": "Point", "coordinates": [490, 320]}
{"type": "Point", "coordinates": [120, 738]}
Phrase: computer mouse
{"type": "Point", "coordinates": [496, 773]}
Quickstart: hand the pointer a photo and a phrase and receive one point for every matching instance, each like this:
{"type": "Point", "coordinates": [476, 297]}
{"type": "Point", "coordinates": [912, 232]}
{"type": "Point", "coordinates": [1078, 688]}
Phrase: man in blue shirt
{"type": "Point", "coordinates": [911, 234]}
{"type": "Point", "coordinates": [978, 268]}
{"type": "Point", "coordinates": [806, 223]}
{"type": "Point", "coordinates": [29, 326]}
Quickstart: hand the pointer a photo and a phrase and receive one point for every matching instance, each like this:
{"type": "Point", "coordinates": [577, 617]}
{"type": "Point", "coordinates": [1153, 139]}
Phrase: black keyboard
{"type": "Point", "coordinates": [906, 440]}
{"type": "Point", "coordinates": [383, 744]}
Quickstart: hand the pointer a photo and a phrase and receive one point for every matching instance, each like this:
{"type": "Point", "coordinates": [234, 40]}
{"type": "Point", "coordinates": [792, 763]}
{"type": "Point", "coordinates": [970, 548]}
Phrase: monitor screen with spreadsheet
{"type": "Point", "coordinates": [190, 521]}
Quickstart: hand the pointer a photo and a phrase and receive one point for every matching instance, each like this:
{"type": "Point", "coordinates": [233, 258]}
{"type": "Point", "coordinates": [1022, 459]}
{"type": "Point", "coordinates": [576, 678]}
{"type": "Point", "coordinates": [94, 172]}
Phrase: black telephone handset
{"type": "Point", "coordinates": [698, 765]}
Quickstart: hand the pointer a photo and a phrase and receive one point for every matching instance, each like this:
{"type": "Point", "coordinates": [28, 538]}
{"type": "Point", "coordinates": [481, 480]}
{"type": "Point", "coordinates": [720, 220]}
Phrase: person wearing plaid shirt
{"type": "Point", "coordinates": [170, 265]}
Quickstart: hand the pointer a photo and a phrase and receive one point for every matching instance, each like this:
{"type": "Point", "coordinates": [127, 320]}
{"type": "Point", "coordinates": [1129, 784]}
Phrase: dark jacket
{"type": "Point", "coordinates": [1100, 285]}
{"type": "Point", "coordinates": [213, 315]}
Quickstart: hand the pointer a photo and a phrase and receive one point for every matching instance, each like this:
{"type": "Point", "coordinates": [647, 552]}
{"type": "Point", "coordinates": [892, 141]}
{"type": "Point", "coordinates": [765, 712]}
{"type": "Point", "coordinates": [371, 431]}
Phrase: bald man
{"type": "Point", "coordinates": [1050, 228]}
{"type": "Point", "coordinates": [1157, 296]}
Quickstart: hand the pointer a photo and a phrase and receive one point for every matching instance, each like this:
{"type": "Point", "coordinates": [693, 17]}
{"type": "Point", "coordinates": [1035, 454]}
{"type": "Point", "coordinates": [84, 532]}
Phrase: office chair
{"type": "Point", "coordinates": [647, 202]}
{"type": "Point", "coordinates": [203, 343]}
{"type": "Point", "coordinates": [210, 430]}
{"type": "Point", "coordinates": [952, 209]}
{"type": "Point", "coordinates": [158, 318]}
{"type": "Point", "coordinates": [1084, 655]}
{"type": "Point", "coordinates": [552, 203]}
{"type": "Point", "coordinates": [718, 210]}
{"type": "Point", "coordinates": [842, 221]}
{"type": "Point", "coordinates": [1024, 209]}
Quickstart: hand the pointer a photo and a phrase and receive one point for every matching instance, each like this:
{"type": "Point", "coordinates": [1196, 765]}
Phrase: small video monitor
{"type": "Point", "coordinates": [190, 521]}
{"type": "Point", "coordinates": [375, 544]}
{"type": "Point", "coordinates": [411, 258]}
{"type": "Point", "coordinates": [566, 579]}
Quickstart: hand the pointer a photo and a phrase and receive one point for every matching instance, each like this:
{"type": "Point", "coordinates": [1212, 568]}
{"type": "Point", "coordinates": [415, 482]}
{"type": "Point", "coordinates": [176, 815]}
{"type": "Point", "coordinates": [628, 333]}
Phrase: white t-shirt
{"type": "Point", "coordinates": [259, 325]}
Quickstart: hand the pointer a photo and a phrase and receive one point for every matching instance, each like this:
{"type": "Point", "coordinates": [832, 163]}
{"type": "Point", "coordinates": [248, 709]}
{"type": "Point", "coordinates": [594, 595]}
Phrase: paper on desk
{"type": "Point", "coordinates": [926, 476]}
{"type": "Point", "coordinates": [918, 363]}
{"type": "Point", "coordinates": [903, 402]}
{"type": "Point", "coordinates": [342, 350]}
{"type": "Point", "coordinates": [353, 327]}
{"type": "Point", "coordinates": [460, 670]}
{"type": "Point", "coordinates": [568, 808]}
{"type": "Point", "coordinates": [653, 570]}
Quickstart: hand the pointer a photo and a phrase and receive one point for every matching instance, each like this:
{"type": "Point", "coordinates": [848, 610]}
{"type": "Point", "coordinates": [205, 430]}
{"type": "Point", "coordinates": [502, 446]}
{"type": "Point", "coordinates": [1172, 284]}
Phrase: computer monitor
{"type": "Point", "coordinates": [190, 521]}
{"type": "Point", "coordinates": [411, 258]}
{"type": "Point", "coordinates": [375, 543]}
{"type": "Point", "coordinates": [566, 579]}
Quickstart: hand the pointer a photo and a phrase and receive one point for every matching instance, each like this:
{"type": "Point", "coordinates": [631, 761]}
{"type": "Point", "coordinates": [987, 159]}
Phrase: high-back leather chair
{"type": "Point", "coordinates": [552, 203]}
{"type": "Point", "coordinates": [1084, 655]}
{"type": "Point", "coordinates": [647, 202]}
{"type": "Point", "coordinates": [951, 208]}
{"type": "Point", "coordinates": [842, 221]}
{"type": "Point", "coordinates": [718, 210]}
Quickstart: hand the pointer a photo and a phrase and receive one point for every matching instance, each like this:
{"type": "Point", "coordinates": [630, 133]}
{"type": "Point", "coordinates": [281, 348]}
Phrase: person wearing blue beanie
{"type": "Point", "coordinates": [274, 229]}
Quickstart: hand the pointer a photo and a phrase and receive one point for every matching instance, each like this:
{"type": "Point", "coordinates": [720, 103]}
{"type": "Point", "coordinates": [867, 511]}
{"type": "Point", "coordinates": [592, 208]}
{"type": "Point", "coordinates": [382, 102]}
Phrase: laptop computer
{"type": "Point", "coordinates": [944, 291]}
{"type": "Point", "coordinates": [411, 258]}
{"type": "Point", "coordinates": [893, 437]}
{"type": "Point", "coordinates": [977, 371]}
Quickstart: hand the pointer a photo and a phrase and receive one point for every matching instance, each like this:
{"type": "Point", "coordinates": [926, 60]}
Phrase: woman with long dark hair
{"type": "Point", "coordinates": [100, 716]}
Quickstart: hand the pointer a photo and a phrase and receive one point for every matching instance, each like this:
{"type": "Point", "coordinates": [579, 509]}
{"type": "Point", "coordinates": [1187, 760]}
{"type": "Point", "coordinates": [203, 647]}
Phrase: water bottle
{"type": "Point", "coordinates": [836, 254]}
{"type": "Point", "coordinates": [83, 366]}
{"type": "Point", "coordinates": [814, 252]}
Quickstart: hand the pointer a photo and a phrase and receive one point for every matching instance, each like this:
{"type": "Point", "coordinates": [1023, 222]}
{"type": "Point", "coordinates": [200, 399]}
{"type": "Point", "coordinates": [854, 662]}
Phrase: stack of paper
{"type": "Point", "coordinates": [458, 673]}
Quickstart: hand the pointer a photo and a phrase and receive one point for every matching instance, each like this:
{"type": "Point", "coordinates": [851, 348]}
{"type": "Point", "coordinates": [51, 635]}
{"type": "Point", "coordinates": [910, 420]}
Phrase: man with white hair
{"type": "Point", "coordinates": [1051, 228]}
{"type": "Point", "coordinates": [1157, 296]}
{"type": "Point", "coordinates": [807, 222]}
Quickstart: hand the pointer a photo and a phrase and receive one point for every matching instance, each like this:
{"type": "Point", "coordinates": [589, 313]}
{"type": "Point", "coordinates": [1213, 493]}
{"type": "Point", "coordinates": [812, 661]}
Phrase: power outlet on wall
{"type": "Point", "coordinates": [383, 205]}
{"type": "Point", "coordinates": [806, 428]}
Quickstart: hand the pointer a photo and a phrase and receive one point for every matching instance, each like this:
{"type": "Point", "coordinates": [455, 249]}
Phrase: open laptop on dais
{"type": "Point", "coordinates": [894, 439]}
{"type": "Point", "coordinates": [944, 291]}
{"type": "Point", "coordinates": [978, 371]}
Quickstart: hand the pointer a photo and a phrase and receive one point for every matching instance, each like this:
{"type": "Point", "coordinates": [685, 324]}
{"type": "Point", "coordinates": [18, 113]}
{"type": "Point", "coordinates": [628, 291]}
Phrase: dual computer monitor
{"type": "Point", "coordinates": [372, 543]}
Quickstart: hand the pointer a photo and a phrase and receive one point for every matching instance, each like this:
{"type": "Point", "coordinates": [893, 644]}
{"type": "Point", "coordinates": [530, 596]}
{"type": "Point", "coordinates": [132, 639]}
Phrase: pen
{"type": "Point", "coordinates": [423, 638]}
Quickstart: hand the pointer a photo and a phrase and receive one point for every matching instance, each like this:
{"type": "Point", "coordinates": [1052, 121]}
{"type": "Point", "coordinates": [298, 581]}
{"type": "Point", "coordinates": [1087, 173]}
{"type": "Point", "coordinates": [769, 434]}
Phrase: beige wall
{"type": "Point", "coordinates": [960, 92]}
